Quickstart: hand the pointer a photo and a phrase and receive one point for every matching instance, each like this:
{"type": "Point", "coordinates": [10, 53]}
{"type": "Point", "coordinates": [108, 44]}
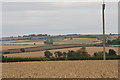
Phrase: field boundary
{"type": "Point", "coordinates": [58, 59]}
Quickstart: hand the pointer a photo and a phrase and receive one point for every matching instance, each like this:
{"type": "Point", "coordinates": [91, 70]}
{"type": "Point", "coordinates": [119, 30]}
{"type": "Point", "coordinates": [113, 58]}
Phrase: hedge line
{"type": "Point", "coordinates": [58, 59]}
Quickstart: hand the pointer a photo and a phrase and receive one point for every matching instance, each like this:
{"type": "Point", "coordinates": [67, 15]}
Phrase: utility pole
{"type": "Point", "coordinates": [103, 25]}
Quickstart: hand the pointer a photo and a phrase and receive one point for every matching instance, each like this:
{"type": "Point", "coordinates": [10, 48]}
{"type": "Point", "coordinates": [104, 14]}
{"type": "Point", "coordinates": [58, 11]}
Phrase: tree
{"type": "Point", "coordinates": [114, 42]}
{"type": "Point", "coordinates": [83, 49]}
{"type": "Point", "coordinates": [65, 37]}
{"type": "Point", "coordinates": [4, 56]}
{"type": "Point", "coordinates": [72, 53]}
{"type": "Point", "coordinates": [71, 38]}
{"type": "Point", "coordinates": [100, 54]}
{"type": "Point", "coordinates": [95, 54]}
{"type": "Point", "coordinates": [48, 41]}
{"type": "Point", "coordinates": [22, 50]}
{"type": "Point", "coordinates": [55, 54]}
{"type": "Point", "coordinates": [34, 43]}
{"type": "Point", "coordinates": [48, 54]}
{"type": "Point", "coordinates": [83, 52]}
{"type": "Point", "coordinates": [112, 52]}
{"type": "Point", "coordinates": [6, 52]}
{"type": "Point", "coordinates": [64, 54]}
{"type": "Point", "coordinates": [110, 34]}
{"type": "Point", "coordinates": [58, 54]}
{"type": "Point", "coordinates": [32, 35]}
{"type": "Point", "coordinates": [109, 42]}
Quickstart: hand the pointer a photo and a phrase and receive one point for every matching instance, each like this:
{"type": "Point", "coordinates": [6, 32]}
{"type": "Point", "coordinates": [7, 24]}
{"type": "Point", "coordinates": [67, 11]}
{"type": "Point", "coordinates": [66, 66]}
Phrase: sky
{"type": "Point", "coordinates": [56, 18]}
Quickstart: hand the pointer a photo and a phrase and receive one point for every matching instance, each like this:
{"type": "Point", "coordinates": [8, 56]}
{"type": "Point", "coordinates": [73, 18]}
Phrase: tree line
{"type": "Point", "coordinates": [114, 42]}
{"type": "Point", "coordinates": [34, 35]}
{"type": "Point", "coordinates": [82, 52]}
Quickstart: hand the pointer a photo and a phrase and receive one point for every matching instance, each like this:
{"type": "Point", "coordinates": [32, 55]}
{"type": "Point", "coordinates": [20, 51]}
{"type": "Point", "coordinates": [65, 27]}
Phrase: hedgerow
{"type": "Point", "coordinates": [58, 59]}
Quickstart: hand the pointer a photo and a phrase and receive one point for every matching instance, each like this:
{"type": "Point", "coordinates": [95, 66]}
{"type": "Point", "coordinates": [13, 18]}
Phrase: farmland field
{"type": "Point", "coordinates": [77, 41]}
{"type": "Point", "coordinates": [15, 41]}
{"type": "Point", "coordinates": [18, 44]}
{"type": "Point", "coordinates": [57, 69]}
{"type": "Point", "coordinates": [90, 50]}
{"type": "Point", "coordinates": [55, 41]}
{"type": "Point", "coordinates": [6, 47]}
{"type": "Point", "coordinates": [61, 69]}
{"type": "Point", "coordinates": [22, 43]}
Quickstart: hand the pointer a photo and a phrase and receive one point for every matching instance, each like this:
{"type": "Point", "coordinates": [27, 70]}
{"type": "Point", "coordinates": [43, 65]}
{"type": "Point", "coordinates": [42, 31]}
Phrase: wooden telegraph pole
{"type": "Point", "coordinates": [103, 25]}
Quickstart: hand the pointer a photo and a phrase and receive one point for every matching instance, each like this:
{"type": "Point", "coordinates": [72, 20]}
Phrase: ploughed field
{"type": "Point", "coordinates": [61, 69]}
{"type": "Point", "coordinates": [90, 50]}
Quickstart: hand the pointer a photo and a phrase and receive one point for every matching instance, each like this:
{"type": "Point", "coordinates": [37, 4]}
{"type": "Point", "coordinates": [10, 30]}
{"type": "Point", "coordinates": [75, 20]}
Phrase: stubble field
{"type": "Point", "coordinates": [61, 69]}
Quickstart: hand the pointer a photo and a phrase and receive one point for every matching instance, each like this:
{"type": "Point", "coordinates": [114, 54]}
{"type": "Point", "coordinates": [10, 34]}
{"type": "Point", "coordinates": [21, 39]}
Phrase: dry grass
{"type": "Point", "coordinates": [91, 51]}
{"type": "Point", "coordinates": [61, 69]}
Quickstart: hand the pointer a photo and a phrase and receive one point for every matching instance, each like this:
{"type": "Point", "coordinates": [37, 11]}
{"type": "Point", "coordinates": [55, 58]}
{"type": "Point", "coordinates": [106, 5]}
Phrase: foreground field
{"type": "Point", "coordinates": [90, 50]}
{"type": "Point", "coordinates": [61, 69]}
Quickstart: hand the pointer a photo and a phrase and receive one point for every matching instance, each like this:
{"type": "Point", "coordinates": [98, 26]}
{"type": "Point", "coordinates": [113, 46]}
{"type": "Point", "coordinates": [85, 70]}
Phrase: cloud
{"type": "Point", "coordinates": [56, 18]}
{"type": "Point", "coordinates": [58, 0]}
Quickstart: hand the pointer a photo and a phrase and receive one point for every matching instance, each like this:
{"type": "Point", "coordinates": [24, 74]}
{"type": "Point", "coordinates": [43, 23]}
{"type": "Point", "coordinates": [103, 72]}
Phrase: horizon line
{"type": "Point", "coordinates": [59, 34]}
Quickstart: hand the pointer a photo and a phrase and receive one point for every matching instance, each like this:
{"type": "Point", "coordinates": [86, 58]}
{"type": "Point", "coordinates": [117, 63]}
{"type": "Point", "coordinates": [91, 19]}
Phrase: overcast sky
{"type": "Point", "coordinates": [57, 18]}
